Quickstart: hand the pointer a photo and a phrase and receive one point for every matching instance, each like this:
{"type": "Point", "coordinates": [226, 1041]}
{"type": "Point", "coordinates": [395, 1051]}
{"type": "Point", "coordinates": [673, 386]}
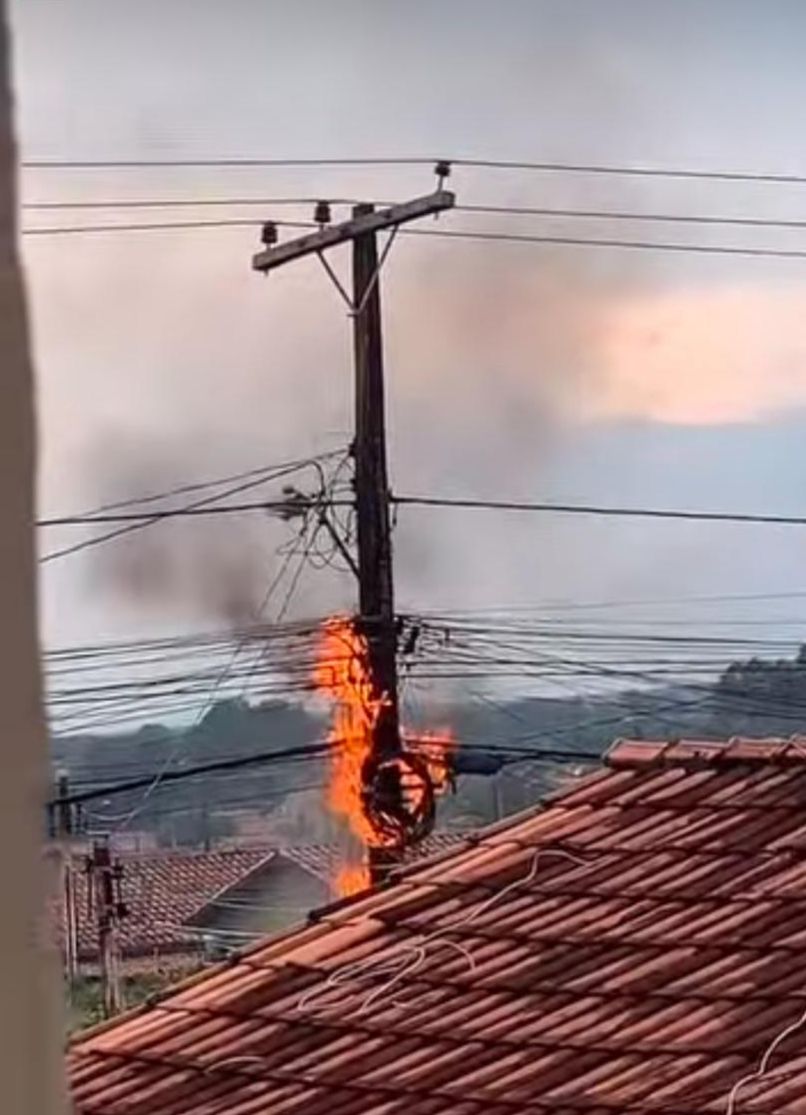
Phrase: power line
{"type": "Point", "coordinates": [137, 520]}
{"type": "Point", "coordinates": [622, 215]}
{"type": "Point", "coordinates": [144, 226]}
{"type": "Point", "coordinates": [172, 203]}
{"type": "Point", "coordinates": [201, 164]}
{"type": "Point", "coordinates": [587, 242]}
{"type": "Point", "coordinates": [310, 751]}
{"type": "Point", "coordinates": [599, 510]}
{"type": "Point", "coordinates": [179, 512]}
{"type": "Point", "coordinates": [503, 210]}
{"type": "Point", "coordinates": [163, 773]}
{"type": "Point", "coordinates": [636, 171]}
{"type": "Point", "coordinates": [552, 167]}
{"type": "Point", "coordinates": [444, 234]}
{"type": "Point", "coordinates": [276, 471]}
{"type": "Point", "coordinates": [100, 515]}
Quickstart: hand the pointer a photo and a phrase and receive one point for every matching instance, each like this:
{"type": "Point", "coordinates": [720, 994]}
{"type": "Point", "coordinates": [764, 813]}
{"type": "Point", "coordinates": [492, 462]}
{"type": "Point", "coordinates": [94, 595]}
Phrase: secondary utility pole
{"type": "Point", "coordinates": [382, 780]}
{"type": "Point", "coordinates": [105, 880]}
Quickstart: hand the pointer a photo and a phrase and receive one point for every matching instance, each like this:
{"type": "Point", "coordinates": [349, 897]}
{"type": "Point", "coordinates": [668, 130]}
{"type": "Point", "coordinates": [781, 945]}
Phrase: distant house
{"type": "Point", "coordinates": [632, 946]}
{"type": "Point", "coordinates": [181, 907]}
{"type": "Point", "coordinates": [160, 891]}
{"type": "Point", "coordinates": [282, 890]}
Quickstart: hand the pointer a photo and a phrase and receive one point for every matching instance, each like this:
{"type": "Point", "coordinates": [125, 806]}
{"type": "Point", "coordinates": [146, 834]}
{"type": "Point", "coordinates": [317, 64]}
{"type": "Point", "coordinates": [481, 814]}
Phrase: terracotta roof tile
{"type": "Point", "coordinates": [634, 945]}
{"type": "Point", "coordinates": [161, 891]}
{"type": "Point", "coordinates": [322, 860]}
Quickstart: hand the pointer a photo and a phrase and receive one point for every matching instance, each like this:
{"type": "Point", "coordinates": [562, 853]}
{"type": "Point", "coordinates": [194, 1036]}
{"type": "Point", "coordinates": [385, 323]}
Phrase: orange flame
{"type": "Point", "coordinates": [351, 879]}
{"type": "Point", "coordinates": [436, 749]}
{"type": "Point", "coordinates": [342, 672]}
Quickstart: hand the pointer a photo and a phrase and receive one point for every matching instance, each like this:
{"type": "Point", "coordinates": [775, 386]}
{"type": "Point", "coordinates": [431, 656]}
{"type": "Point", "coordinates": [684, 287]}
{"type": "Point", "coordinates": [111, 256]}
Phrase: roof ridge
{"type": "Point", "coordinates": [164, 855]}
{"type": "Point", "coordinates": [688, 754]}
{"type": "Point", "coordinates": [224, 890]}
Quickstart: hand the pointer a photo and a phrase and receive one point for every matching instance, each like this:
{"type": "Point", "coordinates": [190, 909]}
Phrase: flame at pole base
{"type": "Point", "coordinates": [352, 878]}
{"type": "Point", "coordinates": [342, 673]}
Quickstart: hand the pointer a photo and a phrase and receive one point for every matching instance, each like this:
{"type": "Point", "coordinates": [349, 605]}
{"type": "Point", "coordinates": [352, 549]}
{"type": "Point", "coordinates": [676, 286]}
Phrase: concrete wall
{"type": "Point", "coordinates": [30, 1017]}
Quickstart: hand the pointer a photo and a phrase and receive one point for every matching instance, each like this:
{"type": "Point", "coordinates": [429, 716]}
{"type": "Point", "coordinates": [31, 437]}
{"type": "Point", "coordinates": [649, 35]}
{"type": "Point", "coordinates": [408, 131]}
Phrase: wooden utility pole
{"type": "Point", "coordinates": [70, 922]}
{"type": "Point", "coordinates": [104, 887]}
{"type": "Point", "coordinates": [376, 592]}
{"type": "Point", "coordinates": [63, 828]}
{"type": "Point", "coordinates": [63, 808]}
{"type": "Point", "coordinates": [374, 536]}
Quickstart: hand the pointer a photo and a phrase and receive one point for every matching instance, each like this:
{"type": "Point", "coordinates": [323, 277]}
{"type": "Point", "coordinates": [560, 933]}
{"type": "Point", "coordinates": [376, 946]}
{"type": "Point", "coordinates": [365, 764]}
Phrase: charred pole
{"type": "Point", "coordinates": [376, 619]}
{"type": "Point", "coordinates": [373, 530]}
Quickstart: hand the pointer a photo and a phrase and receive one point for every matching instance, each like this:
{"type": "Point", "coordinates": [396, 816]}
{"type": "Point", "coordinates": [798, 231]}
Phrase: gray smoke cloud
{"type": "Point", "coordinates": [500, 364]}
{"type": "Point", "coordinates": [211, 569]}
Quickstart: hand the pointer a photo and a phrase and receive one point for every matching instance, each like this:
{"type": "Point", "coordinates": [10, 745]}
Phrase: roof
{"type": "Point", "coordinates": [319, 861]}
{"type": "Point", "coordinates": [161, 891]}
{"type": "Point", "coordinates": [636, 944]}
{"type": "Point", "coordinates": [323, 860]}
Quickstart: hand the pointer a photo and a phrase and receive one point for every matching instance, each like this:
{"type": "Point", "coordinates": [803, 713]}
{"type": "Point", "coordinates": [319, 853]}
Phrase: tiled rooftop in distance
{"type": "Point", "coordinates": [633, 945]}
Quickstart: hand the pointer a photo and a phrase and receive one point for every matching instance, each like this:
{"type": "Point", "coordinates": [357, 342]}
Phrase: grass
{"type": "Point", "coordinates": [84, 1000]}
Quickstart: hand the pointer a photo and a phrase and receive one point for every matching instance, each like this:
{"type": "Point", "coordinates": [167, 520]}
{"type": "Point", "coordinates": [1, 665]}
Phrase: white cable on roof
{"type": "Point", "coordinates": [409, 957]}
{"type": "Point", "coordinates": [764, 1063]}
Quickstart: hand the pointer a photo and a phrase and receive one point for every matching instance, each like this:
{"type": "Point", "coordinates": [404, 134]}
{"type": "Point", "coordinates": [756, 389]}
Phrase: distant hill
{"type": "Point", "coordinates": [753, 697]}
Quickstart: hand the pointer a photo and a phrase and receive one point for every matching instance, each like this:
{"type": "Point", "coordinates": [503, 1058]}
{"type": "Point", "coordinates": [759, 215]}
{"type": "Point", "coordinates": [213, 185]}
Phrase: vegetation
{"type": "Point", "coordinates": [84, 999]}
{"type": "Point", "coordinates": [755, 697]}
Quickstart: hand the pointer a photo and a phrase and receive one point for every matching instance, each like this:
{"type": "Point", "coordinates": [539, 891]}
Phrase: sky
{"type": "Point", "coordinates": [514, 371]}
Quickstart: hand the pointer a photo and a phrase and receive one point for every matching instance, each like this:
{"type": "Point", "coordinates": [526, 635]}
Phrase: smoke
{"type": "Point", "coordinates": [703, 356]}
{"type": "Point", "coordinates": [192, 568]}
{"type": "Point", "coordinates": [528, 344]}
{"type": "Point", "coordinates": [504, 363]}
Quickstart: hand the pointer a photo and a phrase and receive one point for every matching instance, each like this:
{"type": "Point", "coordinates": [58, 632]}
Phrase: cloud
{"type": "Point", "coordinates": [729, 354]}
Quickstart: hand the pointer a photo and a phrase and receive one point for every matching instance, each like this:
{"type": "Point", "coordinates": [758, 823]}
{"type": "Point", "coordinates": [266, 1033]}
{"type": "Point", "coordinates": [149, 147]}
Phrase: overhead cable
{"type": "Point", "coordinates": [695, 173]}
{"type": "Point", "coordinates": [495, 210]}
{"type": "Point", "coordinates": [444, 234]}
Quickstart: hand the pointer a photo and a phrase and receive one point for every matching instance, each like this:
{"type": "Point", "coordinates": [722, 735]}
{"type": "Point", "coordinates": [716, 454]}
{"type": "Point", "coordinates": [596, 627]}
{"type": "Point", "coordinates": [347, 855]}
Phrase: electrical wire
{"type": "Point", "coordinates": [598, 510]}
{"type": "Point", "coordinates": [199, 510]}
{"type": "Point", "coordinates": [135, 521]}
{"type": "Point", "coordinates": [309, 751]}
{"type": "Point", "coordinates": [493, 210]}
{"type": "Point", "coordinates": [444, 234]}
{"type": "Point", "coordinates": [459, 503]}
{"type": "Point", "coordinates": [283, 468]}
{"type": "Point", "coordinates": [697, 174]}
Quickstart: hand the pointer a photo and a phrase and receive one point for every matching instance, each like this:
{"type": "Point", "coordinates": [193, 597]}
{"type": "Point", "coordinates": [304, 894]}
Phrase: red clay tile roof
{"type": "Point", "coordinates": [161, 892]}
{"type": "Point", "coordinates": [634, 945]}
{"type": "Point", "coordinates": [322, 860]}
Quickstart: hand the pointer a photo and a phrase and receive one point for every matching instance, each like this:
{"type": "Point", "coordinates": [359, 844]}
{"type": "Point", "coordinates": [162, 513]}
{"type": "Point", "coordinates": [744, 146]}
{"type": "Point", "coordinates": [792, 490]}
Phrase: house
{"type": "Point", "coordinates": [282, 890]}
{"type": "Point", "coordinates": [636, 944]}
{"type": "Point", "coordinates": [181, 905]}
{"type": "Point", "coordinates": [160, 892]}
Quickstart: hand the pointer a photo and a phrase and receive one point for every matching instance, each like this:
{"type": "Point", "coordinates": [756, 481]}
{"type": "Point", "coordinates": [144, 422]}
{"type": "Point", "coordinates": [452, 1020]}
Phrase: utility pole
{"type": "Point", "coordinates": [376, 621]}
{"type": "Point", "coordinates": [105, 880]}
{"type": "Point", "coordinates": [63, 808]}
{"type": "Point", "coordinates": [62, 830]}
{"type": "Point", "coordinates": [373, 532]}
{"type": "Point", "coordinates": [374, 536]}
